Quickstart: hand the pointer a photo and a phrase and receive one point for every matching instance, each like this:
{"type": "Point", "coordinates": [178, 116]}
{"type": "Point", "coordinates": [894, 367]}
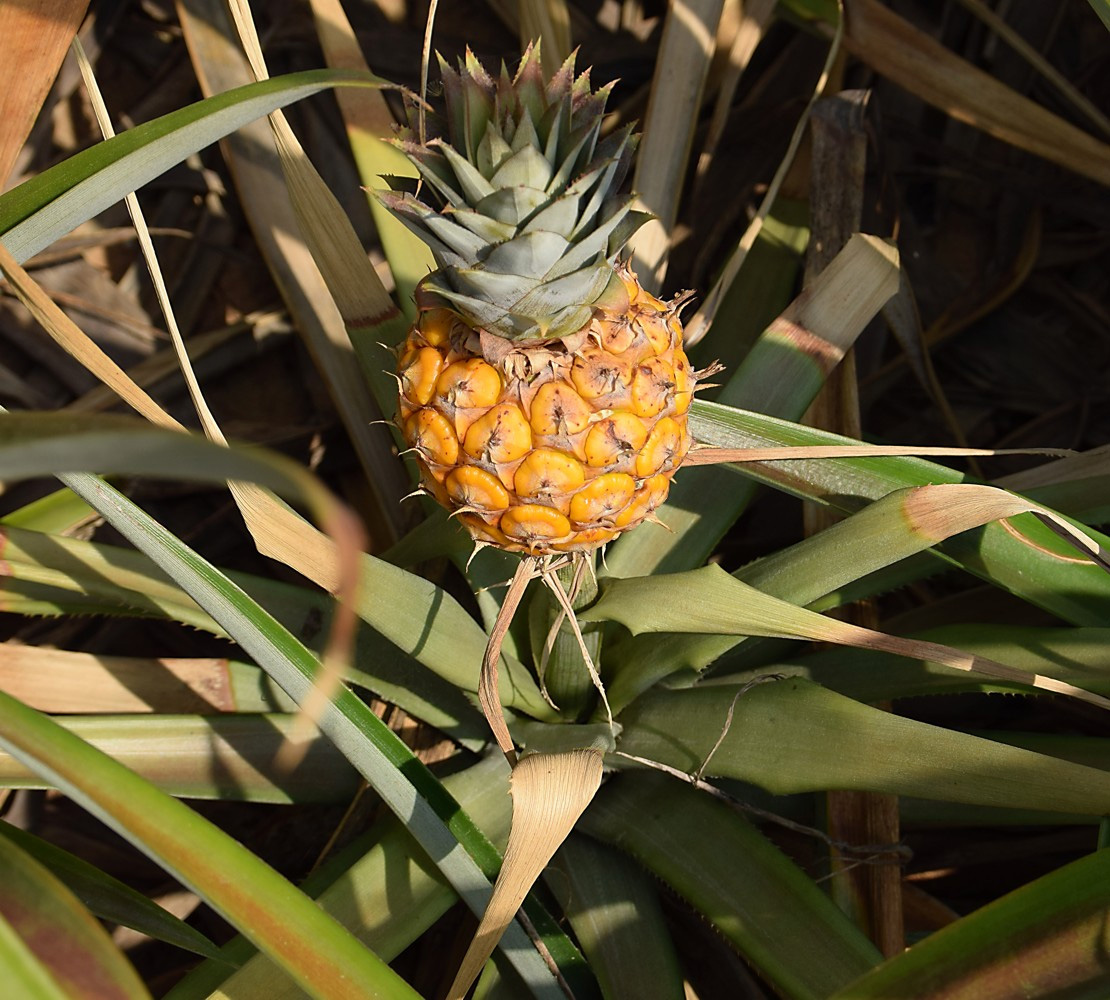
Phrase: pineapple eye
{"type": "Point", "coordinates": [602, 497]}
{"type": "Point", "coordinates": [435, 326]}
{"type": "Point", "coordinates": [651, 385]}
{"type": "Point", "coordinates": [683, 383]}
{"type": "Point", "coordinates": [651, 495]}
{"type": "Point", "coordinates": [470, 486]}
{"type": "Point", "coordinates": [558, 409]}
{"type": "Point", "coordinates": [661, 447]}
{"type": "Point", "coordinates": [418, 376]}
{"type": "Point", "coordinates": [657, 331]}
{"type": "Point", "coordinates": [431, 434]}
{"type": "Point", "coordinates": [614, 439]}
{"type": "Point", "coordinates": [547, 472]}
{"type": "Point", "coordinates": [598, 373]}
{"type": "Point", "coordinates": [501, 435]}
{"type": "Point", "coordinates": [469, 383]}
{"type": "Point", "coordinates": [532, 523]}
{"type": "Point", "coordinates": [617, 336]}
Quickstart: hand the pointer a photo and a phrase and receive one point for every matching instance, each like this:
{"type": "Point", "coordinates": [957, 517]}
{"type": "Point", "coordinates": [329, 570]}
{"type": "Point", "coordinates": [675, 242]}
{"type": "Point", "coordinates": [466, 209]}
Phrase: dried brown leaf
{"type": "Point", "coordinates": [59, 680]}
{"type": "Point", "coordinates": [550, 792]}
{"type": "Point", "coordinates": [35, 36]}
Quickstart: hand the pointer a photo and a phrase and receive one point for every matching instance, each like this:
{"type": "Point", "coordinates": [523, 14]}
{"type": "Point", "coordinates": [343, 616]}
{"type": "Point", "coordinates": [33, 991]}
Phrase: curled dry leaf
{"type": "Point", "coordinates": [550, 792]}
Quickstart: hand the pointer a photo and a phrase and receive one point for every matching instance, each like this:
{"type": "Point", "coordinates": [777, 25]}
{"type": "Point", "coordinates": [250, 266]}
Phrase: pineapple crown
{"type": "Point", "coordinates": [527, 225]}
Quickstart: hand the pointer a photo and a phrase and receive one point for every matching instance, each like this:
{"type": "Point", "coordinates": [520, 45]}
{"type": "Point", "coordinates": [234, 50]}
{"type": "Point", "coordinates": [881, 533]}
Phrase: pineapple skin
{"type": "Point", "coordinates": [555, 448]}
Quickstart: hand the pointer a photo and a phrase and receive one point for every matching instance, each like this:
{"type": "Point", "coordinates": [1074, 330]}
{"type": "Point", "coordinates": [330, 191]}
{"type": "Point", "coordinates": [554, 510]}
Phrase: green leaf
{"type": "Point", "coordinates": [62, 934]}
{"type": "Point", "coordinates": [321, 955]}
{"type": "Point", "coordinates": [34, 444]}
{"type": "Point", "coordinates": [108, 897]}
{"type": "Point", "coordinates": [1024, 557]}
{"type": "Point", "coordinates": [811, 573]}
{"type": "Point", "coordinates": [51, 574]}
{"type": "Point", "coordinates": [1047, 939]}
{"type": "Point", "coordinates": [616, 915]}
{"type": "Point", "coordinates": [56, 511]}
{"type": "Point", "coordinates": [387, 897]}
{"type": "Point", "coordinates": [1075, 655]}
{"type": "Point", "coordinates": [223, 757]}
{"type": "Point", "coordinates": [780, 733]}
{"type": "Point", "coordinates": [55, 202]}
{"type": "Point", "coordinates": [22, 973]}
{"type": "Point", "coordinates": [770, 911]}
{"type": "Point", "coordinates": [761, 291]}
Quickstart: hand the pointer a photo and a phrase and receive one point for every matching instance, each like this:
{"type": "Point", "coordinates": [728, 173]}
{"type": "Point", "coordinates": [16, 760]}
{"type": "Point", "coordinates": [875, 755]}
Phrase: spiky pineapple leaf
{"type": "Point", "coordinates": [322, 956]}
{"type": "Point", "coordinates": [777, 734]}
{"type": "Point", "coordinates": [760, 901]}
{"type": "Point", "coordinates": [226, 757]}
{"type": "Point", "coordinates": [809, 573]}
{"type": "Point", "coordinates": [388, 894]}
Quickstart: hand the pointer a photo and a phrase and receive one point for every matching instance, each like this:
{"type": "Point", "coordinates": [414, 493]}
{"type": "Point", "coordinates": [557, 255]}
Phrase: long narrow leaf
{"type": "Point", "coordinates": [1046, 939]}
{"type": "Point", "coordinates": [388, 897]}
{"type": "Point", "coordinates": [718, 603]}
{"type": "Point", "coordinates": [107, 897]}
{"type": "Point", "coordinates": [53, 203]}
{"type": "Point", "coordinates": [1025, 558]}
{"type": "Point", "coordinates": [63, 934]}
{"type": "Point", "coordinates": [214, 757]}
{"type": "Point", "coordinates": [316, 951]}
{"type": "Point", "coordinates": [777, 735]}
{"type": "Point", "coordinates": [758, 899]}
{"type": "Point", "coordinates": [23, 973]}
{"type": "Point", "coordinates": [889, 530]}
{"type": "Point", "coordinates": [616, 914]}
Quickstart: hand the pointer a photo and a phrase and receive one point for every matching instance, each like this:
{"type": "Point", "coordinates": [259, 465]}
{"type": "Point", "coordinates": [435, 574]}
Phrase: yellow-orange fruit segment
{"type": "Point", "coordinates": [419, 374]}
{"type": "Point", "coordinates": [662, 445]}
{"type": "Point", "coordinates": [603, 497]}
{"type": "Point", "coordinates": [433, 437]}
{"type": "Point", "coordinates": [534, 524]}
{"type": "Point", "coordinates": [500, 436]}
{"type": "Point", "coordinates": [469, 383]}
{"type": "Point", "coordinates": [546, 472]}
{"type": "Point", "coordinates": [469, 486]}
{"type": "Point", "coordinates": [614, 441]}
{"type": "Point", "coordinates": [558, 409]}
{"type": "Point", "coordinates": [549, 447]}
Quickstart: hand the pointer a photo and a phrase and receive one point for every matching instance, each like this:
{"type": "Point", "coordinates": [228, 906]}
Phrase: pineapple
{"type": "Point", "coordinates": [543, 391]}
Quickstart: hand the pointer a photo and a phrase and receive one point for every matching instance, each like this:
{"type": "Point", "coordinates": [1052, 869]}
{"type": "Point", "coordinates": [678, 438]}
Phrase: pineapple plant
{"type": "Point", "coordinates": [543, 390]}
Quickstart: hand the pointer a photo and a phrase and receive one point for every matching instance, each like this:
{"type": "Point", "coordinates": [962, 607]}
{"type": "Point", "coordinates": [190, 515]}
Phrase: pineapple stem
{"type": "Point", "coordinates": [554, 584]}
{"type": "Point", "coordinates": [488, 695]}
{"type": "Point", "coordinates": [580, 567]}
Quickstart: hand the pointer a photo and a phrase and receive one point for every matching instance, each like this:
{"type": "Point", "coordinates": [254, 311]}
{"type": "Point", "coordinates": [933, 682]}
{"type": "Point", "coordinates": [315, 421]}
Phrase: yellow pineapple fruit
{"type": "Point", "coordinates": [543, 390]}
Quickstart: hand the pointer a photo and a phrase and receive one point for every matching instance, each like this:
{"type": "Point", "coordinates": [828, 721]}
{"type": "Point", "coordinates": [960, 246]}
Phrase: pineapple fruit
{"type": "Point", "coordinates": [542, 389]}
